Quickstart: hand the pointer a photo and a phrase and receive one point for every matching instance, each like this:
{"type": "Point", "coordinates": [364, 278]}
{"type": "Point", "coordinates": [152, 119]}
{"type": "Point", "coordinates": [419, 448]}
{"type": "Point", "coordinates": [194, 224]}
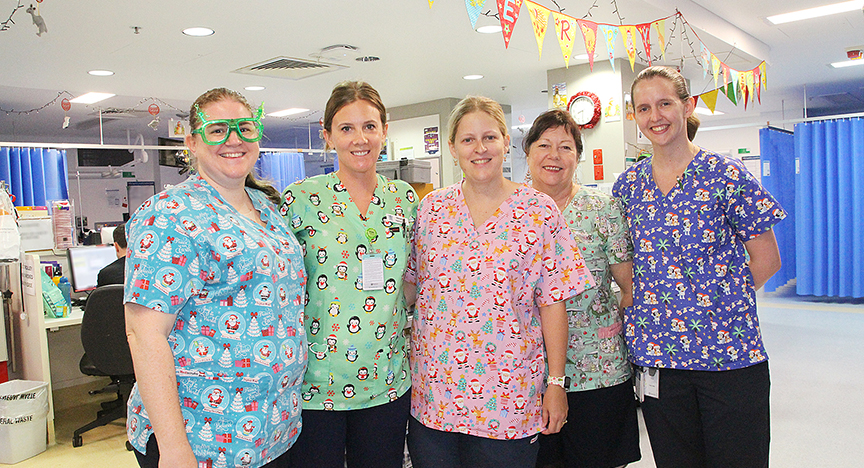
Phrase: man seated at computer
{"type": "Point", "coordinates": [115, 272]}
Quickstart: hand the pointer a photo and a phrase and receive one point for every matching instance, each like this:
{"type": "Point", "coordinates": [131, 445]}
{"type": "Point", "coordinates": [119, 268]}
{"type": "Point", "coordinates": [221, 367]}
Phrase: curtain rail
{"type": "Point", "coordinates": [134, 147]}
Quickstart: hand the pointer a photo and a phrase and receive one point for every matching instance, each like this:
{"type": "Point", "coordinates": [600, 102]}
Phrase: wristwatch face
{"type": "Point", "coordinates": [582, 109]}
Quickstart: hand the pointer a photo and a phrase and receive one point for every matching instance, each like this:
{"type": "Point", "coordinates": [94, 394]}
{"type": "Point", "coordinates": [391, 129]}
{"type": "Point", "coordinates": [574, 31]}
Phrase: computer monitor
{"type": "Point", "coordinates": [85, 263]}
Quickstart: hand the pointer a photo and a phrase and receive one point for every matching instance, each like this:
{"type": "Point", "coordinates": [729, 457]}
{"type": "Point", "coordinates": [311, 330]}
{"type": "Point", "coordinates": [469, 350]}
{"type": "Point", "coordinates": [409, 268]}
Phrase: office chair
{"type": "Point", "coordinates": [106, 353]}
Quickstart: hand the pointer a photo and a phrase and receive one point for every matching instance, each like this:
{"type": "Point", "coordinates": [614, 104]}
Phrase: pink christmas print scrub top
{"type": "Point", "coordinates": [477, 354]}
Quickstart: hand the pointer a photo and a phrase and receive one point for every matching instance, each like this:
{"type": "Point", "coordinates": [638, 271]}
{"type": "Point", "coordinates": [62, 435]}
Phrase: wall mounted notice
{"type": "Point", "coordinates": [28, 277]}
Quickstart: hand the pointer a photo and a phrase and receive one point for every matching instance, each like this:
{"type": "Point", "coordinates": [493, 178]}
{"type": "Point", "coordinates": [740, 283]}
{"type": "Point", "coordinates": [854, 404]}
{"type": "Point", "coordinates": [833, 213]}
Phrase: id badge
{"type": "Point", "coordinates": [647, 382]}
{"type": "Point", "coordinates": [372, 267]}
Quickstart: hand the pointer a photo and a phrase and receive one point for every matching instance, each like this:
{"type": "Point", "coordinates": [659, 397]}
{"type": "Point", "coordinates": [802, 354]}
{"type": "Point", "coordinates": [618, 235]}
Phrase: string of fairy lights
{"type": "Point", "coordinates": [4, 26]}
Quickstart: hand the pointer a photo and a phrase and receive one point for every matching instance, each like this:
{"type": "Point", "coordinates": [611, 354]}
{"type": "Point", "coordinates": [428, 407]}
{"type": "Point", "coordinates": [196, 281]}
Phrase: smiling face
{"type": "Point", "coordinates": [480, 147]}
{"type": "Point", "coordinates": [357, 135]}
{"type": "Point", "coordinates": [660, 112]}
{"type": "Point", "coordinates": [226, 164]}
{"type": "Point", "coordinates": [552, 160]}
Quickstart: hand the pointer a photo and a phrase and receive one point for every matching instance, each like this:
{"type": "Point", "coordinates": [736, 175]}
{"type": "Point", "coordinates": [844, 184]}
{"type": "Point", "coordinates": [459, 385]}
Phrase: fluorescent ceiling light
{"type": "Point", "coordinates": [254, 88]}
{"type": "Point", "coordinates": [91, 98]}
{"type": "Point", "coordinates": [489, 29]}
{"type": "Point", "coordinates": [848, 63]}
{"type": "Point", "coordinates": [287, 112]}
{"type": "Point", "coordinates": [704, 111]}
{"type": "Point", "coordinates": [198, 32]}
{"type": "Point", "coordinates": [101, 72]}
{"type": "Point", "coordinates": [583, 57]}
{"type": "Point", "coordinates": [472, 77]}
{"type": "Point", "coordinates": [816, 12]}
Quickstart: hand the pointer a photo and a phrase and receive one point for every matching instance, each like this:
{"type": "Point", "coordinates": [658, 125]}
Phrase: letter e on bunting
{"type": "Point", "coordinates": [589, 33]}
{"type": "Point", "coordinates": [508, 11]}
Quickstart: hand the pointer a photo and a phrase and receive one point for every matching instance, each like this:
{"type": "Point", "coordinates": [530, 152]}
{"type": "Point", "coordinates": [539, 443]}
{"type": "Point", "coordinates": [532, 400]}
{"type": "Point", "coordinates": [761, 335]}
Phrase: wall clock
{"type": "Point", "coordinates": [585, 108]}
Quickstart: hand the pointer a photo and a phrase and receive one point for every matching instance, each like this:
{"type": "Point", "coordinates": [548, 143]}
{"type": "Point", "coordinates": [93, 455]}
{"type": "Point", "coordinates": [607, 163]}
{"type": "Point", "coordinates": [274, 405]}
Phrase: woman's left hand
{"type": "Point", "coordinates": [554, 409]}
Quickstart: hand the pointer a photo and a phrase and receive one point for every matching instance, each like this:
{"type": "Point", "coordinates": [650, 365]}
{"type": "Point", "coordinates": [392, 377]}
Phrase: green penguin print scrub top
{"type": "Point", "coordinates": [355, 328]}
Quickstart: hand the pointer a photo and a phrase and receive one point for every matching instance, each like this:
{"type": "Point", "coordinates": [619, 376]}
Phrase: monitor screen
{"type": "Point", "coordinates": [85, 263]}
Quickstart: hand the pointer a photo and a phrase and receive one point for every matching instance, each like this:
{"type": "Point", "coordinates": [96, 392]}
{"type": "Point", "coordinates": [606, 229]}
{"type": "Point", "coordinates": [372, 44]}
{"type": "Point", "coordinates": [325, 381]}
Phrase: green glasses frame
{"type": "Point", "coordinates": [233, 125]}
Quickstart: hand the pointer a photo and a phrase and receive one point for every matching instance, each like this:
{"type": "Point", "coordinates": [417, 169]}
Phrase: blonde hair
{"type": "Point", "coordinates": [475, 104]}
{"type": "Point", "coordinates": [216, 95]}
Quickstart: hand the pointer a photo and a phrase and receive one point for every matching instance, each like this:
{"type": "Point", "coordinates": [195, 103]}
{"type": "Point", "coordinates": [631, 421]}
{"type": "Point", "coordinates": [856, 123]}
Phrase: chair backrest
{"type": "Point", "coordinates": [103, 331]}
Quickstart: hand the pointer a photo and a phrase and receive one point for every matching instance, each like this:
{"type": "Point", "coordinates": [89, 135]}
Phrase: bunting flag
{"type": "Point", "coordinates": [430, 4]}
{"type": "Point", "coordinates": [611, 35]}
{"type": "Point", "coordinates": [565, 29]}
{"type": "Point", "coordinates": [508, 11]}
{"type": "Point", "coordinates": [757, 77]}
{"type": "Point", "coordinates": [645, 32]}
{"type": "Point", "coordinates": [705, 55]}
{"type": "Point", "coordinates": [725, 72]}
{"type": "Point", "coordinates": [474, 7]}
{"type": "Point", "coordinates": [589, 34]}
{"type": "Point", "coordinates": [710, 99]}
{"type": "Point", "coordinates": [733, 78]}
{"type": "Point", "coordinates": [748, 79]}
{"type": "Point", "coordinates": [660, 26]}
{"type": "Point", "coordinates": [742, 86]}
{"type": "Point", "coordinates": [628, 33]}
{"type": "Point", "coordinates": [730, 93]}
{"type": "Point", "coordinates": [540, 22]}
{"type": "Point", "coordinates": [715, 68]}
{"type": "Point", "coordinates": [764, 76]}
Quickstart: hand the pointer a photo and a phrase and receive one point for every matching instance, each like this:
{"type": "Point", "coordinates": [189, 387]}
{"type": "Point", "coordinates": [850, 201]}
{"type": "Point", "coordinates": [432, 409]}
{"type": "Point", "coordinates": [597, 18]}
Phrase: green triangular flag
{"type": "Point", "coordinates": [730, 93]}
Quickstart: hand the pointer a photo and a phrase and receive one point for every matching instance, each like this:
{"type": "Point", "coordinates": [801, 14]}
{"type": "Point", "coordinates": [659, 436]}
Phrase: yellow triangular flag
{"type": "Point", "coordinates": [715, 68]}
{"type": "Point", "coordinates": [430, 3]}
{"type": "Point", "coordinates": [628, 33]}
{"type": "Point", "coordinates": [566, 29]}
{"type": "Point", "coordinates": [660, 26]}
{"type": "Point", "coordinates": [540, 22]}
{"type": "Point", "coordinates": [710, 99]}
{"type": "Point", "coordinates": [764, 75]}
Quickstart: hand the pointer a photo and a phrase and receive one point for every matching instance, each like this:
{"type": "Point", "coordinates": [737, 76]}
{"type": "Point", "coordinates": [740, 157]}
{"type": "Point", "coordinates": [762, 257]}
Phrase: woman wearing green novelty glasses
{"type": "Point", "coordinates": [356, 226]}
{"type": "Point", "coordinates": [214, 315]}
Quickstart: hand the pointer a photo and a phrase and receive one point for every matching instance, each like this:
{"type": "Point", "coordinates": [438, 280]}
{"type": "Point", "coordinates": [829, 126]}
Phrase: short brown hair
{"type": "Point", "coordinates": [553, 119]}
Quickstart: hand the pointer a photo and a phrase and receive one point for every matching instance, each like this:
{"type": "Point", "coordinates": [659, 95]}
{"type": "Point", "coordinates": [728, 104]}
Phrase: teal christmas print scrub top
{"type": "Point", "coordinates": [596, 352]}
{"type": "Point", "coordinates": [239, 344]}
{"type": "Point", "coordinates": [356, 340]}
{"type": "Point", "coordinates": [694, 303]}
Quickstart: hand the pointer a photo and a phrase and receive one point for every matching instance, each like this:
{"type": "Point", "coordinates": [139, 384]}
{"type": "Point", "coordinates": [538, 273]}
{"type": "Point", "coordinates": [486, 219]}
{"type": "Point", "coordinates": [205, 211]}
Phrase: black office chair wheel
{"type": "Point", "coordinates": [77, 441]}
{"type": "Point", "coordinates": [129, 446]}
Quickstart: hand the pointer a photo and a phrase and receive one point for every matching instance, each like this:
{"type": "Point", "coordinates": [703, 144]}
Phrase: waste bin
{"type": "Point", "coordinates": [23, 420]}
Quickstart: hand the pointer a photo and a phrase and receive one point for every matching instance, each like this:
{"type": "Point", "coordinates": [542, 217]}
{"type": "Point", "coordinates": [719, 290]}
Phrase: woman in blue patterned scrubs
{"type": "Point", "coordinates": [214, 306]}
{"type": "Point", "coordinates": [694, 217]}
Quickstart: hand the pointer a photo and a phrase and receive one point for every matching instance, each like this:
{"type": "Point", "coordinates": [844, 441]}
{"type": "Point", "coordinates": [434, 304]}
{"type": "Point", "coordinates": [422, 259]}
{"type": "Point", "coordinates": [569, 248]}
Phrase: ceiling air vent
{"type": "Point", "coordinates": [290, 68]}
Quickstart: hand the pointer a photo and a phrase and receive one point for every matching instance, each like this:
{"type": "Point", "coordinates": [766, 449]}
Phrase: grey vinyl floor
{"type": "Point", "coordinates": [816, 355]}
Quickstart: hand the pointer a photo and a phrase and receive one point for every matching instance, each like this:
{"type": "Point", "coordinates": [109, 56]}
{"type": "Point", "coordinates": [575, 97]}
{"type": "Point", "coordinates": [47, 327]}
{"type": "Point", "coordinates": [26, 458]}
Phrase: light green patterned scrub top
{"type": "Point", "coordinates": [357, 348]}
{"type": "Point", "coordinates": [596, 352]}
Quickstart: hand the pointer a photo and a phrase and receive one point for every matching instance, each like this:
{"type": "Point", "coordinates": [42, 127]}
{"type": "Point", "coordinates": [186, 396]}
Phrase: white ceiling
{"type": "Point", "coordinates": [424, 53]}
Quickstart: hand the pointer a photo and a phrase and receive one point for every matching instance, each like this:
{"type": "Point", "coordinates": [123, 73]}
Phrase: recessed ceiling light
{"type": "Point", "coordinates": [816, 12]}
{"type": "Point", "coordinates": [848, 63]}
{"type": "Point", "coordinates": [91, 98]}
{"type": "Point", "coordinates": [704, 111]}
{"type": "Point", "coordinates": [472, 77]}
{"type": "Point", "coordinates": [287, 112]}
{"type": "Point", "coordinates": [101, 72]}
{"type": "Point", "coordinates": [492, 29]}
{"type": "Point", "coordinates": [254, 88]}
{"type": "Point", "coordinates": [198, 32]}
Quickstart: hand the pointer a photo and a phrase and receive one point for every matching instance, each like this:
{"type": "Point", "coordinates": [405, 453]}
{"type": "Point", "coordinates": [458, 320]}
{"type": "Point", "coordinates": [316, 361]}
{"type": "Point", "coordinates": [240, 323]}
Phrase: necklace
{"type": "Point", "coordinates": [572, 195]}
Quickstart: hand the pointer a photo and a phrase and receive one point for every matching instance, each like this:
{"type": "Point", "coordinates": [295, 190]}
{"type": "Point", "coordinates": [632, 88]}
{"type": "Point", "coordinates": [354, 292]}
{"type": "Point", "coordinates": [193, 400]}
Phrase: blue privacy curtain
{"type": "Point", "coordinates": [35, 175]}
{"type": "Point", "coordinates": [830, 208]}
{"type": "Point", "coordinates": [281, 169]}
{"type": "Point", "coordinates": [777, 148]}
